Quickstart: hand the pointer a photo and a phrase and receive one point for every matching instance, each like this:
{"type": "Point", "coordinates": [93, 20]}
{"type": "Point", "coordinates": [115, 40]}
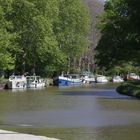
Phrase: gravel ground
{"type": "Point", "coordinates": [10, 135]}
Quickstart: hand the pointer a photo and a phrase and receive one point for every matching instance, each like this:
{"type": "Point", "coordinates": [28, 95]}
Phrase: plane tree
{"type": "Point", "coordinates": [45, 34]}
{"type": "Point", "coordinates": [33, 22]}
{"type": "Point", "coordinates": [71, 30]}
{"type": "Point", "coordinates": [7, 37]}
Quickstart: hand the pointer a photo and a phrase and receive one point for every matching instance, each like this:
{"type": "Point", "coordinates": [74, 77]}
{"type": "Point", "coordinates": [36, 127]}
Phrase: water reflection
{"type": "Point", "coordinates": [94, 112]}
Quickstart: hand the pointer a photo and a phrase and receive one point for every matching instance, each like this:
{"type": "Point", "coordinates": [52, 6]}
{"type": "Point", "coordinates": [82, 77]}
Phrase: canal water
{"type": "Point", "coordinates": [95, 112]}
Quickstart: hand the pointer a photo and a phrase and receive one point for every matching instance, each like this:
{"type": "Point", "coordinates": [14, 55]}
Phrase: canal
{"type": "Point", "coordinates": [95, 112]}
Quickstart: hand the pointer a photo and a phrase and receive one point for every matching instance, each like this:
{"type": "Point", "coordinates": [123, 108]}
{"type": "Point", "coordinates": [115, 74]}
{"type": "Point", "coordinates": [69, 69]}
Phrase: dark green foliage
{"type": "Point", "coordinates": [131, 88]}
{"type": "Point", "coordinates": [120, 39]}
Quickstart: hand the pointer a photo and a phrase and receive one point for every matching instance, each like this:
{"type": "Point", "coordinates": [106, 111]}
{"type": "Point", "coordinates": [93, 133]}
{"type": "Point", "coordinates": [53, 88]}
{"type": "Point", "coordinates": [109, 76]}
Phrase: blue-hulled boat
{"type": "Point", "coordinates": [66, 80]}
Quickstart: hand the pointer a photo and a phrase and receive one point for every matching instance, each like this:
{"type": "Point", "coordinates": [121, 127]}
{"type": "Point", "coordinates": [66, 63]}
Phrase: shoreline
{"type": "Point", "coordinates": [11, 135]}
{"type": "Point", "coordinates": [130, 88]}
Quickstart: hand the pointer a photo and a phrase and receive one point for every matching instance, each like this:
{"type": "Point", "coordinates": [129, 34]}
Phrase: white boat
{"type": "Point", "coordinates": [117, 79]}
{"type": "Point", "coordinates": [133, 76]}
{"type": "Point", "coordinates": [35, 82]}
{"type": "Point", "coordinates": [22, 82]}
{"type": "Point", "coordinates": [101, 79]}
{"type": "Point", "coordinates": [16, 82]}
{"type": "Point", "coordinates": [88, 79]}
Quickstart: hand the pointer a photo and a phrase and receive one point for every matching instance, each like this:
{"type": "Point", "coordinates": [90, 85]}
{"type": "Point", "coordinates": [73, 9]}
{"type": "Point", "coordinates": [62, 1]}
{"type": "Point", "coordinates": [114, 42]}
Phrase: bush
{"type": "Point", "coordinates": [131, 88]}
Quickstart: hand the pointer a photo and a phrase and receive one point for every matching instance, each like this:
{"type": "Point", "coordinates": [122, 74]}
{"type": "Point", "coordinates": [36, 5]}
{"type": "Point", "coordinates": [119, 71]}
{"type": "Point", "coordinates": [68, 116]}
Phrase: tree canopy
{"type": "Point", "coordinates": [120, 41]}
{"type": "Point", "coordinates": [39, 36]}
{"type": "Point", "coordinates": [6, 40]}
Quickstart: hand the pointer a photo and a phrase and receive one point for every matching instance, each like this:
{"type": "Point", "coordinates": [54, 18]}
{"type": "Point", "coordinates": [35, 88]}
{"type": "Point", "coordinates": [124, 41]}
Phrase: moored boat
{"type": "Point", "coordinates": [35, 82]}
{"type": "Point", "coordinates": [16, 82]}
{"type": "Point", "coordinates": [101, 79]}
{"type": "Point", "coordinates": [117, 79]}
{"type": "Point", "coordinates": [88, 79]}
{"type": "Point", "coordinates": [133, 76]}
{"type": "Point", "coordinates": [23, 82]}
{"type": "Point", "coordinates": [69, 79]}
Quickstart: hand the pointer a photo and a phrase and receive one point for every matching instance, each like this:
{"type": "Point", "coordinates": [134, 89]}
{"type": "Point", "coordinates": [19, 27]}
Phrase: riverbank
{"type": "Point", "coordinates": [3, 83]}
{"type": "Point", "coordinates": [10, 135]}
{"type": "Point", "coordinates": [130, 88]}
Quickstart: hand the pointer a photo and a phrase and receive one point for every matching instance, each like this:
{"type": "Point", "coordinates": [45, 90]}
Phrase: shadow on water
{"type": "Point", "coordinates": [105, 94]}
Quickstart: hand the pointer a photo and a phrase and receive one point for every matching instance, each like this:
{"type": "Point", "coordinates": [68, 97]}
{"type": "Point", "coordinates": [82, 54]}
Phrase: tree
{"type": "Point", "coordinates": [7, 44]}
{"type": "Point", "coordinates": [33, 22]}
{"type": "Point", "coordinates": [120, 33]}
{"type": "Point", "coordinates": [71, 29]}
{"type": "Point", "coordinates": [48, 33]}
{"type": "Point", "coordinates": [95, 8]}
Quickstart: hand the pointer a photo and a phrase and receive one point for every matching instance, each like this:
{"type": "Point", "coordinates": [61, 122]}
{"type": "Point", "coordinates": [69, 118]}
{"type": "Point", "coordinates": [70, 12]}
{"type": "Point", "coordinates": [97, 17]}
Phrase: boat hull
{"type": "Point", "coordinates": [117, 79]}
{"type": "Point", "coordinates": [21, 82]}
{"type": "Point", "coordinates": [64, 81]}
{"type": "Point", "coordinates": [16, 82]}
{"type": "Point", "coordinates": [101, 79]}
{"type": "Point", "coordinates": [88, 80]}
{"type": "Point", "coordinates": [35, 82]}
{"type": "Point", "coordinates": [36, 85]}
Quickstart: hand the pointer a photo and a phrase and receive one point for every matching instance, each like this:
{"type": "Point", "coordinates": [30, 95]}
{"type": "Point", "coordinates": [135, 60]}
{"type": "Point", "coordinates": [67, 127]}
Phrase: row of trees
{"type": "Point", "coordinates": [119, 46]}
{"type": "Point", "coordinates": [41, 36]}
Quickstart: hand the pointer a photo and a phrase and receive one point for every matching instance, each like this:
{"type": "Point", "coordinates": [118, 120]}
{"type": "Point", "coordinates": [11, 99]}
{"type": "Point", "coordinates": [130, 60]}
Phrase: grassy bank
{"type": "Point", "coordinates": [131, 88]}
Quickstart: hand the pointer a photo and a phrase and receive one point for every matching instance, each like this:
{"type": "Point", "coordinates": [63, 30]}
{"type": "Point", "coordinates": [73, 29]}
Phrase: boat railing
{"type": "Point", "coordinates": [11, 78]}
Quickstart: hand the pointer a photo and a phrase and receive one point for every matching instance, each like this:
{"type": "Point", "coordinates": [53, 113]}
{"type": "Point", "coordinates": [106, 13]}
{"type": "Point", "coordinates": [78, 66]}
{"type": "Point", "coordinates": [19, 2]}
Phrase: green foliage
{"type": "Point", "coordinates": [124, 68]}
{"type": "Point", "coordinates": [6, 39]}
{"type": "Point", "coordinates": [131, 88]}
{"type": "Point", "coordinates": [120, 34]}
{"type": "Point", "coordinates": [38, 36]}
{"type": "Point", "coordinates": [72, 27]}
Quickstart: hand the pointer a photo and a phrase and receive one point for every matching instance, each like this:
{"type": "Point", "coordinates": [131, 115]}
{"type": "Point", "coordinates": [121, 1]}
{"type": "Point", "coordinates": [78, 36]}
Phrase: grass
{"type": "Point", "coordinates": [130, 88]}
